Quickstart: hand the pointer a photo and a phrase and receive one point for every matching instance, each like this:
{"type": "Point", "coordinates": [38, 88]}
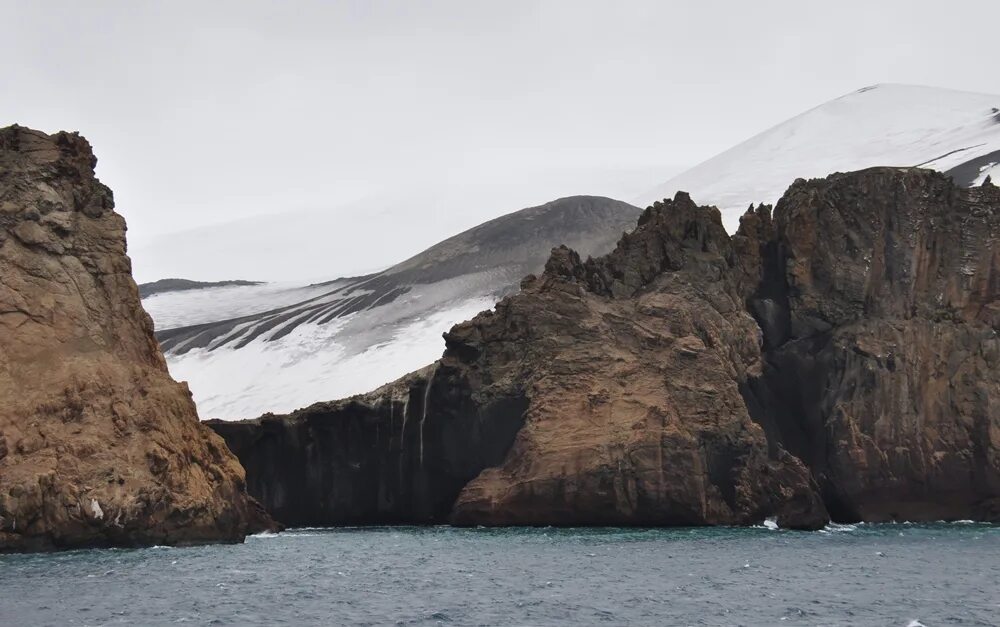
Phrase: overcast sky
{"type": "Point", "coordinates": [368, 130]}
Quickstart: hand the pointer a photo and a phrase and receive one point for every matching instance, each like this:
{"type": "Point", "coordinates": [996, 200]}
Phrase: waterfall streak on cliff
{"type": "Point", "coordinates": [423, 417]}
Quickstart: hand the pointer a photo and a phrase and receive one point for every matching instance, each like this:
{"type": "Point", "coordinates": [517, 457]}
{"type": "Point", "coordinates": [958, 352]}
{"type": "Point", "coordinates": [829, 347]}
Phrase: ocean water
{"type": "Point", "coordinates": [906, 575]}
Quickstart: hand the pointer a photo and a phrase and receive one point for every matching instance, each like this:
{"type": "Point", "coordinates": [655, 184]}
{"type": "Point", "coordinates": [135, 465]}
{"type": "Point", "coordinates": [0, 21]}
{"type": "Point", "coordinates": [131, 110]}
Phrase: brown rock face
{"type": "Point", "coordinates": [98, 445]}
{"type": "Point", "coordinates": [881, 305]}
{"type": "Point", "coordinates": [837, 359]}
{"type": "Point", "coordinates": [632, 365]}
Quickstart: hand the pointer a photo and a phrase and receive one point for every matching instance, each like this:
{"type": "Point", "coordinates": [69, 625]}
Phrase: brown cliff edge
{"type": "Point", "coordinates": [838, 359]}
{"type": "Point", "coordinates": [98, 445]}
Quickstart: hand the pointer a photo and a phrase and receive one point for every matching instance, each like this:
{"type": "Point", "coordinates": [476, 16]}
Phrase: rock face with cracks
{"type": "Point", "coordinates": [837, 359]}
{"type": "Point", "coordinates": [879, 297]}
{"type": "Point", "coordinates": [633, 364]}
{"type": "Point", "coordinates": [98, 445]}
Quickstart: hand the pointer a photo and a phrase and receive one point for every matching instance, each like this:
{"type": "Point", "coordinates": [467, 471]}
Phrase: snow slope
{"type": "Point", "coordinates": [246, 350]}
{"type": "Point", "coordinates": [171, 310]}
{"type": "Point", "coordinates": [884, 125]}
{"type": "Point", "coordinates": [315, 362]}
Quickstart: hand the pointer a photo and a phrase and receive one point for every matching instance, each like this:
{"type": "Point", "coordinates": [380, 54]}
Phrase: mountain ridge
{"type": "Point", "coordinates": [161, 286]}
{"type": "Point", "coordinates": [952, 131]}
{"type": "Point", "coordinates": [887, 124]}
{"type": "Point", "coordinates": [360, 332]}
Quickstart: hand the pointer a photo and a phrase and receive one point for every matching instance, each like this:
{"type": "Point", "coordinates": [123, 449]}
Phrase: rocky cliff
{"type": "Point", "coordinates": [837, 359]}
{"type": "Point", "coordinates": [399, 455]}
{"type": "Point", "coordinates": [98, 445]}
{"type": "Point", "coordinates": [879, 298]}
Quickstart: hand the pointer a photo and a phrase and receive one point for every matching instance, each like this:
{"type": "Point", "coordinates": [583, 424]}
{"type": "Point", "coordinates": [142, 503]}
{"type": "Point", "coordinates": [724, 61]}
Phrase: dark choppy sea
{"type": "Point", "coordinates": [904, 575]}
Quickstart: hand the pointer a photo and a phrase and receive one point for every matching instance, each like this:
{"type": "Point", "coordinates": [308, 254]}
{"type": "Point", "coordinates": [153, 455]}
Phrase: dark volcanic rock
{"type": "Point", "coordinates": [399, 455]}
{"type": "Point", "coordinates": [98, 445]}
{"type": "Point", "coordinates": [967, 173]}
{"type": "Point", "coordinates": [838, 358]}
{"type": "Point", "coordinates": [882, 311]}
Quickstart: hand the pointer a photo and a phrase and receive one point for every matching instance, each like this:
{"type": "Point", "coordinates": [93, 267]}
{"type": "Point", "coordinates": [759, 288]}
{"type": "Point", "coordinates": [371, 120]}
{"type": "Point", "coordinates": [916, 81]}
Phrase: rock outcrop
{"type": "Point", "coordinates": [838, 359]}
{"type": "Point", "coordinates": [98, 445]}
{"type": "Point", "coordinates": [879, 299]}
{"type": "Point", "coordinates": [632, 364]}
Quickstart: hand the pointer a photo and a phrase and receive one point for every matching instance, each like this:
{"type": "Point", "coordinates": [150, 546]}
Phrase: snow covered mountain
{"type": "Point", "coordinates": [248, 349]}
{"type": "Point", "coordinates": [274, 347]}
{"type": "Point", "coordinates": [884, 125]}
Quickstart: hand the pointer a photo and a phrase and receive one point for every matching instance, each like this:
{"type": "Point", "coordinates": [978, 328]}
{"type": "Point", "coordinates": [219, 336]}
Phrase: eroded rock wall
{"type": "Point", "coordinates": [882, 315]}
{"type": "Point", "coordinates": [835, 359]}
{"type": "Point", "coordinates": [632, 364]}
{"type": "Point", "coordinates": [98, 445]}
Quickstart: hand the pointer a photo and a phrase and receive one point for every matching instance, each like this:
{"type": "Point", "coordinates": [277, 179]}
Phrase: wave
{"type": "Point", "coordinates": [262, 535]}
{"type": "Point", "coordinates": [839, 528]}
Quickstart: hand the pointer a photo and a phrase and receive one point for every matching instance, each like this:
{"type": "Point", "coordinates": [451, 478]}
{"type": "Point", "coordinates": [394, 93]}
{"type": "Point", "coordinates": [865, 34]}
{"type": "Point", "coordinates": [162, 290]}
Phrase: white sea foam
{"type": "Point", "coordinates": [838, 528]}
{"type": "Point", "coordinates": [263, 535]}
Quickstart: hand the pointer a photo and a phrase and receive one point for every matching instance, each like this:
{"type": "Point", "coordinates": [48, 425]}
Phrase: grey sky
{"type": "Point", "coordinates": [377, 128]}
